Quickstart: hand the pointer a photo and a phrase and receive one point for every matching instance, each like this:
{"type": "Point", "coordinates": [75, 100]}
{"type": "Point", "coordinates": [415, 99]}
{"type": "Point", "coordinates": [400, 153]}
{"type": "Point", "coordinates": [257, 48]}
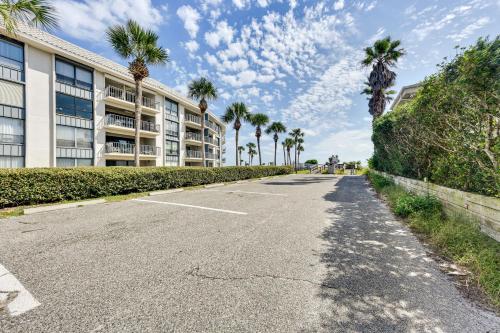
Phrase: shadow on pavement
{"type": "Point", "coordinates": [301, 181]}
{"type": "Point", "coordinates": [378, 278]}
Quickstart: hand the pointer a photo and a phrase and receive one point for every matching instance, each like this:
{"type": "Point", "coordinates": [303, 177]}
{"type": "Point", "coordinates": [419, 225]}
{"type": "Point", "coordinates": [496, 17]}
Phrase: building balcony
{"type": "Point", "coordinates": [210, 140]}
{"type": "Point", "coordinates": [193, 155]}
{"type": "Point", "coordinates": [192, 120]}
{"type": "Point", "coordinates": [126, 151]}
{"type": "Point", "coordinates": [210, 156]}
{"type": "Point", "coordinates": [126, 126]}
{"type": "Point", "coordinates": [126, 99]}
{"type": "Point", "coordinates": [212, 126]}
{"type": "Point", "coordinates": [193, 138]}
{"type": "Point", "coordinates": [11, 73]}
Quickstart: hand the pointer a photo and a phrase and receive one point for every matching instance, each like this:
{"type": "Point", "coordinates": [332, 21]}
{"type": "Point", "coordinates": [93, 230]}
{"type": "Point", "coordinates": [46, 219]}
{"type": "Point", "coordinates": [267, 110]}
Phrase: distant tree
{"type": "Point", "coordinates": [276, 128]}
{"type": "Point", "coordinates": [284, 152]}
{"type": "Point", "coordinates": [236, 113]}
{"type": "Point", "coordinates": [251, 152]}
{"type": "Point", "coordinates": [313, 161]}
{"type": "Point", "coordinates": [258, 120]}
{"type": "Point", "coordinates": [289, 143]}
{"type": "Point", "coordinates": [240, 150]}
{"type": "Point", "coordinates": [296, 134]}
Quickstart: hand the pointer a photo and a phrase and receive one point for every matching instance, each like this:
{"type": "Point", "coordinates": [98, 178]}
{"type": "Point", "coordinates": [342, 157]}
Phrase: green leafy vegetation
{"type": "Point", "coordinates": [450, 132]}
{"type": "Point", "coordinates": [314, 162]}
{"type": "Point", "coordinates": [44, 185]}
{"type": "Point", "coordinates": [454, 236]}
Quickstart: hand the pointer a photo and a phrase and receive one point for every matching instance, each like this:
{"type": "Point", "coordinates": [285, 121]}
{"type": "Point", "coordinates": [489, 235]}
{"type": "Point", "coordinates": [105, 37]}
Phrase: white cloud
{"type": "Point", "coordinates": [222, 33]}
{"type": "Point", "coordinates": [88, 20]}
{"type": "Point", "coordinates": [191, 46]}
{"type": "Point", "coordinates": [338, 5]}
{"type": "Point", "coordinates": [190, 17]}
{"type": "Point", "coordinates": [241, 79]}
{"type": "Point", "coordinates": [240, 4]}
{"type": "Point", "coordinates": [470, 29]}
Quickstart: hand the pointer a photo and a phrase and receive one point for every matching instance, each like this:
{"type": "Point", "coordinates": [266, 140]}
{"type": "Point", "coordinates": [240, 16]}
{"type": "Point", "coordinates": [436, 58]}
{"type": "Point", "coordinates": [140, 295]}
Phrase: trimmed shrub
{"type": "Point", "coordinates": [44, 185]}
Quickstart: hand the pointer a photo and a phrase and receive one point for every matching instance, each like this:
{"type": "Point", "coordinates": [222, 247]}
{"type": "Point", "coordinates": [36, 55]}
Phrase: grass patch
{"type": "Point", "coordinates": [11, 212]}
{"type": "Point", "coordinates": [453, 236]}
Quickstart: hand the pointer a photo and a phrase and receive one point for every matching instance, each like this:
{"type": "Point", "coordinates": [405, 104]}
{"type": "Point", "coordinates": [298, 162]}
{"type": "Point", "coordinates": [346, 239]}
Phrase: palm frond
{"type": "Point", "coordinates": [38, 13]}
{"type": "Point", "coordinates": [259, 119]}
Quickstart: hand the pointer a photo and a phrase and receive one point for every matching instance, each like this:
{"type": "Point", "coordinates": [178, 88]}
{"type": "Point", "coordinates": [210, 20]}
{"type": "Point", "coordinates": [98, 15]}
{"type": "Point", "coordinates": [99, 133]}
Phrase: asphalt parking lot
{"type": "Point", "coordinates": [301, 253]}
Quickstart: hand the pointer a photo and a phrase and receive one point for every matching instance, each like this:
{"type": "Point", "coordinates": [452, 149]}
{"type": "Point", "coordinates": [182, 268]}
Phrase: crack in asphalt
{"type": "Point", "coordinates": [195, 273]}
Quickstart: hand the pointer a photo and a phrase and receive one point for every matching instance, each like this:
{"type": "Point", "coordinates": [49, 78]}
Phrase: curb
{"type": "Point", "coordinates": [29, 211]}
{"type": "Point", "coordinates": [166, 191]}
{"type": "Point", "coordinates": [242, 181]}
{"type": "Point", "coordinates": [214, 185]}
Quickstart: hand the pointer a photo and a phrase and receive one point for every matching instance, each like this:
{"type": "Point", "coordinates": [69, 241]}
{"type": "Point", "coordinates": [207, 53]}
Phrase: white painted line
{"type": "Point", "coordinates": [166, 191]}
{"type": "Point", "coordinates": [192, 206]}
{"type": "Point", "coordinates": [214, 185]}
{"type": "Point", "coordinates": [22, 300]}
{"type": "Point", "coordinates": [249, 192]}
{"type": "Point", "coordinates": [41, 209]}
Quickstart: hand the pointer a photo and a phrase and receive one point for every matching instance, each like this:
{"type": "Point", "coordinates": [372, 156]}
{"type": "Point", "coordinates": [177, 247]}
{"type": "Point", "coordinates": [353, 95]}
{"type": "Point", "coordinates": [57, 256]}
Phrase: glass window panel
{"type": "Point", "coordinates": [11, 54]}
{"type": "Point", "coordinates": [11, 130]}
{"type": "Point", "coordinates": [65, 136]}
{"type": "Point", "coordinates": [65, 104]}
{"type": "Point", "coordinates": [83, 108]}
{"type": "Point", "coordinates": [84, 162]}
{"type": "Point", "coordinates": [11, 162]}
{"type": "Point", "coordinates": [65, 72]}
{"type": "Point", "coordinates": [84, 138]}
{"type": "Point", "coordinates": [84, 78]}
{"type": "Point", "coordinates": [65, 162]}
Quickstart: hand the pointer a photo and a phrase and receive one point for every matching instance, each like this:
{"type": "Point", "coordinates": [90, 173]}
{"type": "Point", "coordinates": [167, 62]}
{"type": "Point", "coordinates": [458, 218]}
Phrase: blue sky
{"type": "Point", "coordinates": [297, 61]}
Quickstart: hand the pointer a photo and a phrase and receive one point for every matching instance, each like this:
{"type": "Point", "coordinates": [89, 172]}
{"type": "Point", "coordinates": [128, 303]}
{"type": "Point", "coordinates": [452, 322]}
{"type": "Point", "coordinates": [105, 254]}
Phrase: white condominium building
{"type": "Point", "coordinates": [62, 105]}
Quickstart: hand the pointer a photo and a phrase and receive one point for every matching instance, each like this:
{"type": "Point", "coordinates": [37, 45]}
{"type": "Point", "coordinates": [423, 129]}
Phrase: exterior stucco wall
{"type": "Point", "coordinates": [99, 114]}
{"type": "Point", "coordinates": [40, 111]}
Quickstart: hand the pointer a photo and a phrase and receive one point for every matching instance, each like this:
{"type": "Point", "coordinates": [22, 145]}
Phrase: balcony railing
{"type": "Point", "coordinates": [193, 136]}
{"type": "Point", "coordinates": [213, 126]}
{"type": "Point", "coordinates": [128, 96]}
{"type": "Point", "coordinates": [209, 139]}
{"type": "Point", "coordinates": [193, 154]}
{"type": "Point", "coordinates": [192, 118]}
{"type": "Point", "coordinates": [210, 156]}
{"type": "Point", "coordinates": [10, 73]}
{"type": "Point", "coordinates": [129, 148]}
{"type": "Point", "coordinates": [127, 122]}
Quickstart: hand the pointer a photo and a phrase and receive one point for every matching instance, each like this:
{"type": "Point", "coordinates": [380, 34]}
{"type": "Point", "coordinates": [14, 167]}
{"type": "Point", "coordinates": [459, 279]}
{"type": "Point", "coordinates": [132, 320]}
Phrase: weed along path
{"type": "Point", "coordinates": [302, 253]}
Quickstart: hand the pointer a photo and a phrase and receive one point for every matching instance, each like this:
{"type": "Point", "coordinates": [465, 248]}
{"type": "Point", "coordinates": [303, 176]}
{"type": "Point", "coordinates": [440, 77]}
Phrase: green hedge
{"type": "Point", "coordinates": [44, 185]}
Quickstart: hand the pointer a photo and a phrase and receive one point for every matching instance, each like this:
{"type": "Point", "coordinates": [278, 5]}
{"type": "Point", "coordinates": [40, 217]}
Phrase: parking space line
{"type": "Point", "coordinates": [192, 206]}
{"type": "Point", "coordinates": [248, 192]}
{"type": "Point", "coordinates": [13, 295]}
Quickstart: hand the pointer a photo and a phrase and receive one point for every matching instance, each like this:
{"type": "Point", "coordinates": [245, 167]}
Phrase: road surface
{"type": "Point", "coordinates": [301, 253]}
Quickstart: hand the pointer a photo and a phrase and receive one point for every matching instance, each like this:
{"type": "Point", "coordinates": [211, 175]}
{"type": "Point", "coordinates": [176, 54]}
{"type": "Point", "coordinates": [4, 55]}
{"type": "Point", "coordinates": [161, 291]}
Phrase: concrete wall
{"type": "Point", "coordinates": [486, 210]}
{"type": "Point", "coordinates": [99, 114]}
{"type": "Point", "coordinates": [40, 111]}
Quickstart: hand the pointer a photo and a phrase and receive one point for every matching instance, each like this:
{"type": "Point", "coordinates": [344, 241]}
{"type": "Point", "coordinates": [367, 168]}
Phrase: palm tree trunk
{"type": "Point", "coordinates": [258, 147]}
{"type": "Point", "coordinates": [284, 156]}
{"type": "Point", "coordinates": [203, 138]}
{"type": "Point", "coordinates": [275, 148]}
{"type": "Point", "coordinates": [295, 157]}
{"type": "Point", "coordinates": [236, 140]}
{"type": "Point", "coordinates": [249, 162]}
{"type": "Point", "coordinates": [138, 111]}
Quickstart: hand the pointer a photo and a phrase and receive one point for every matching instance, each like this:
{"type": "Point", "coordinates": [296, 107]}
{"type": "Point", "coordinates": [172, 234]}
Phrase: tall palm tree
{"type": "Point", "coordinates": [139, 45]}
{"type": "Point", "coordinates": [386, 94]}
{"type": "Point", "coordinates": [276, 128]}
{"type": "Point", "coordinates": [251, 152]}
{"type": "Point", "coordinates": [202, 90]}
{"type": "Point", "coordinates": [296, 134]}
{"type": "Point", "coordinates": [381, 56]}
{"type": "Point", "coordinates": [38, 13]}
{"type": "Point", "coordinates": [284, 148]}
{"type": "Point", "coordinates": [300, 148]}
{"type": "Point", "coordinates": [289, 143]}
{"type": "Point", "coordinates": [236, 113]}
{"type": "Point", "coordinates": [258, 120]}
{"type": "Point", "coordinates": [240, 150]}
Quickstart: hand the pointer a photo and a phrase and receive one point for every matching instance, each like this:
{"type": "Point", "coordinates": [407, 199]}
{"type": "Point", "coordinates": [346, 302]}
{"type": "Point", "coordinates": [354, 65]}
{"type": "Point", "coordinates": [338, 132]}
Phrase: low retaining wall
{"type": "Point", "coordinates": [486, 210]}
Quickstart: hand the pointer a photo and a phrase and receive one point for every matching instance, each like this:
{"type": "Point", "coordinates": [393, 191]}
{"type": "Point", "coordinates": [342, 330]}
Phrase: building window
{"type": "Point", "coordinates": [72, 162]}
{"type": "Point", "coordinates": [74, 106]}
{"type": "Point", "coordinates": [171, 128]}
{"type": "Point", "coordinates": [11, 130]}
{"type": "Point", "coordinates": [11, 55]}
{"type": "Point", "coordinates": [171, 108]}
{"type": "Point", "coordinates": [11, 162]}
{"type": "Point", "coordinates": [171, 148]}
{"type": "Point", "coordinates": [71, 74]}
{"type": "Point", "coordinates": [74, 137]}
